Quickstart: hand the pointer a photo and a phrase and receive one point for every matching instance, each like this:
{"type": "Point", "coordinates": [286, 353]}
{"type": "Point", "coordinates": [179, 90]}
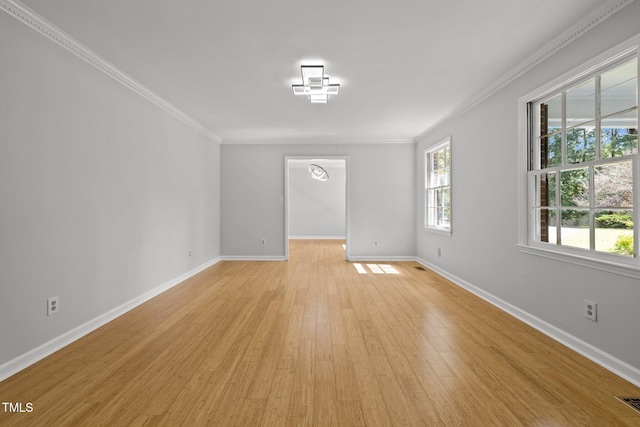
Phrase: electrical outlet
{"type": "Point", "coordinates": [263, 242]}
{"type": "Point", "coordinates": [53, 306]}
{"type": "Point", "coordinates": [439, 252]}
{"type": "Point", "coordinates": [591, 310]}
{"type": "Point", "coordinates": [189, 253]}
{"type": "Point", "coordinates": [375, 243]}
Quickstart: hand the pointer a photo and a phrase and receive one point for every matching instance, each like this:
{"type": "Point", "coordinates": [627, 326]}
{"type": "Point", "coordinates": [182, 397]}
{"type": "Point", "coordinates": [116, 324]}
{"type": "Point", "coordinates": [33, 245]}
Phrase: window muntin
{"type": "Point", "coordinates": [438, 186]}
{"type": "Point", "coordinates": [583, 149]}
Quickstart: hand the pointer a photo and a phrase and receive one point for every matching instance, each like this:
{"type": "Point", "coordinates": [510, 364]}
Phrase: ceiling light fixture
{"type": "Point", "coordinates": [315, 84]}
{"type": "Point", "coordinates": [318, 172]}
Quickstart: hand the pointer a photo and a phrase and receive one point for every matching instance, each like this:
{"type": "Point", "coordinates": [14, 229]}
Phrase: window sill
{"type": "Point", "coordinates": [442, 231]}
{"type": "Point", "coordinates": [621, 269]}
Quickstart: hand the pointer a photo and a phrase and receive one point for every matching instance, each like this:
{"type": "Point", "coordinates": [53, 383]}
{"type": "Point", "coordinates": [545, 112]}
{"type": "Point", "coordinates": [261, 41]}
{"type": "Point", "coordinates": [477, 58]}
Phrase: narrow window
{"type": "Point", "coordinates": [438, 186]}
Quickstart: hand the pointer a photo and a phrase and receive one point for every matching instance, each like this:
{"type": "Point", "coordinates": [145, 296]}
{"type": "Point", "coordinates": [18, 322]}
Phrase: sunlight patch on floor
{"type": "Point", "coordinates": [388, 269]}
{"type": "Point", "coordinates": [375, 268]}
{"type": "Point", "coordinates": [359, 268]}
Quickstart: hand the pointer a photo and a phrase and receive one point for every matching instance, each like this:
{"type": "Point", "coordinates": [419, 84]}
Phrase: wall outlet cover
{"type": "Point", "coordinates": [53, 306]}
{"type": "Point", "coordinates": [591, 310]}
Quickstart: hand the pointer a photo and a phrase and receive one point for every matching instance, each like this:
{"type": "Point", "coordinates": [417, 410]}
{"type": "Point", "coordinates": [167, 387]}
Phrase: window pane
{"type": "Point", "coordinates": [431, 216]}
{"type": "Point", "coordinates": [614, 231]}
{"type": "Point", "coordinates": [613, 185]}
{"type": "Point", "coordinates": [575, 228]}
{"type": "Point", "coordinates": [550, 131]}
{"type": "Point", "coordinates": [553, 149]}
{"type": "Point", "coordinates": [545, 189]}
{"type": "Point", "coordinates": [581, 104]}
{"type": "Point", "coordinates": [539, 188]}
{"type": "Point", "coordinates": [439, 207]}
{"type": "Point", "coordinates": [431, 207]}
{"type": "Point", "coordinates": [545, 230]}
{"type": "Point", "coordinates": [443, 217]}
{"type": "Point", "coordinates": [619, 141]}
{"type": "Point", "coordinates": [433, 168]}
{"type": "Point", "coordinates": [554, 114]}
{"type": "Point", "coordinates": [619, 219]}
{"type": "Point", "coordinates": [433, 178]}
{"type": "Point", "coordinates": [441, 160]}
{"type": "Point", "coordinates": [551, 189]}
{"type": "Point", "coordinates": [619, 89]}
{"type": "Point", "coordinates": [553, 226]}
{"type": "Point", "coordinates": [619, 92]}
{"type": "Point", "coordinates": [581, 144]}
{"type": "Point", "coordinates": [574, 187]}
{"type": "Point", "coordinates": [440, 169]}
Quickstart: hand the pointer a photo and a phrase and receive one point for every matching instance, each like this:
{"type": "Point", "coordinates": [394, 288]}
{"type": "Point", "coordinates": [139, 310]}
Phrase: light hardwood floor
{"type": "Point", "coordinates": [311, 341]}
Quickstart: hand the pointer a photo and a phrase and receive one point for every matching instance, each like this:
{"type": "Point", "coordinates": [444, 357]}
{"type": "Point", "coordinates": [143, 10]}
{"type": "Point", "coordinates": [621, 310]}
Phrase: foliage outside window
{"type": "Point", "coordinates": [583, 162]}
{"type": "Point", "coordinates": [438, 186]}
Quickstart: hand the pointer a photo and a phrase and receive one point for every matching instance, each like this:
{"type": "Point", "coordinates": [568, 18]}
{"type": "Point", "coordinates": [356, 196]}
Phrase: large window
{"type": "Point", "coordinates": [582, 179]}
{"type": "Point", "coordinates": [438, 186]}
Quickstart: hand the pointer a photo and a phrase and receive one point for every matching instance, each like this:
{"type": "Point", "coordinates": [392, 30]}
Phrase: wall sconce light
{"type": "Point", "coordinates": [315, 84]}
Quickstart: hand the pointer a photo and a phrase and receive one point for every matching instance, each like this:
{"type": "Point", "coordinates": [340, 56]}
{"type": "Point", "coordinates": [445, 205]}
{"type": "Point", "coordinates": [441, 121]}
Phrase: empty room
{"type": "Point", "coordinates": [243, 213]}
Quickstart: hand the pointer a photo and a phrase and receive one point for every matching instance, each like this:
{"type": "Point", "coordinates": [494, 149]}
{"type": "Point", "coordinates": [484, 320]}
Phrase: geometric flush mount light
{"type": "Point", "coordinates": [315, 84]}
{"type": "Point", "coordinates": [318, 172]}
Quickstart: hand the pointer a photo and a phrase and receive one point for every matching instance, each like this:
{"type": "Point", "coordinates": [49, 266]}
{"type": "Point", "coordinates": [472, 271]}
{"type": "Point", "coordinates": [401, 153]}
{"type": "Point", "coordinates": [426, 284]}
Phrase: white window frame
{"type": "Point", "coordinates": [446, 142]}
{"type": "Point", "coordinates": [616, 264]}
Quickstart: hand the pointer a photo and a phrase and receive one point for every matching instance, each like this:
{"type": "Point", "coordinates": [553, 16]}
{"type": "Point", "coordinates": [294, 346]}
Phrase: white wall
{"type": "Point", "coordinates": [382, 197]}
{"type": "Point", "coordinates": [102, 194]}
{"type": "Point", "coordinates": [482, 249]}
{"type": "Point", "coordinates": [317, 208]}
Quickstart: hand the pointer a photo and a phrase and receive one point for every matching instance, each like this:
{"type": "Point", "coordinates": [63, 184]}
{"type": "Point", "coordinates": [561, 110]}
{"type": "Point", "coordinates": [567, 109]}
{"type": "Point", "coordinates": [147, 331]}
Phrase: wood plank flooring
{"type": "Point", "coordinates": [310, 342]}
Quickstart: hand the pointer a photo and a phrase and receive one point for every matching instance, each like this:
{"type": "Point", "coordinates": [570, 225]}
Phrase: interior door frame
{"type": "Point", "coordinates": [286, 199]}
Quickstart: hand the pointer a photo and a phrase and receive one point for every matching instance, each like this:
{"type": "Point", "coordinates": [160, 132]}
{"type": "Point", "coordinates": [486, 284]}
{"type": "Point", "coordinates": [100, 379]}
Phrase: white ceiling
{"type": "Point", "coordinates": [403, 65]}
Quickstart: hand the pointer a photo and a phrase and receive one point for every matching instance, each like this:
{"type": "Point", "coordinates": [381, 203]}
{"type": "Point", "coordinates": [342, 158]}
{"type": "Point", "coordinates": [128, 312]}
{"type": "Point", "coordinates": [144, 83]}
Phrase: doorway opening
{"type": "Point", "coordinates": [316, 203]}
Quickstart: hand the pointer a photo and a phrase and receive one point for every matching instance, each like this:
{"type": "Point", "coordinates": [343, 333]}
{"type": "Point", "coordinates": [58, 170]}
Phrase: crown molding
{"type": "Point", "coordinates": [53, 33]}
{"type": "Point", "coordinates": [596, 17]}
{"type": "Point", "coordinates": [305, 140]}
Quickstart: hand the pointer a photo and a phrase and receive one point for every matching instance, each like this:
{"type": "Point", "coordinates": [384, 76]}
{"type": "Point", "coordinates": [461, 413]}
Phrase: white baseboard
{"type": "Point", "coordinates": [316, 237]}
{"type": "Point", "coordinates": [607, 361]}
{"type": "Point", "coordinates": [21, 362]}
{"type": "Point", "coordinates": [252, 258]}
